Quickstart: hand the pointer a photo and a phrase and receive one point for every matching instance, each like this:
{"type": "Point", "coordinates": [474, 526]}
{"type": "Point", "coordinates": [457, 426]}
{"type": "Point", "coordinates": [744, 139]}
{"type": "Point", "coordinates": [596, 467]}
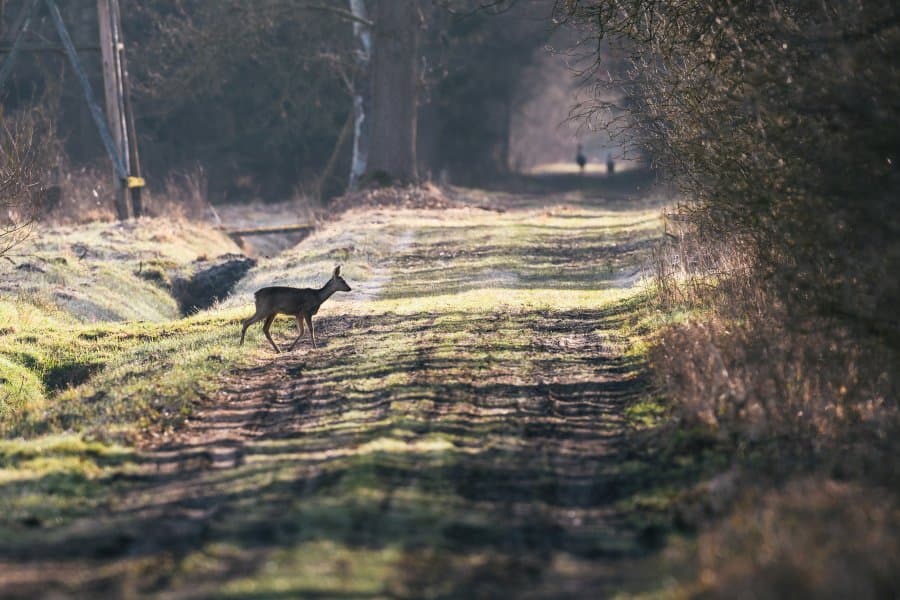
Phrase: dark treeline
{"type": "Point", "coordinates": [780, 121]}
{"type": "Point", "coordinates": [260, 94]}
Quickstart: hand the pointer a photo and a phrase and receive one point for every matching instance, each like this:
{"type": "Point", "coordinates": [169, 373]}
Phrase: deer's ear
{"type": "Point", "coordinates": [337, 271]}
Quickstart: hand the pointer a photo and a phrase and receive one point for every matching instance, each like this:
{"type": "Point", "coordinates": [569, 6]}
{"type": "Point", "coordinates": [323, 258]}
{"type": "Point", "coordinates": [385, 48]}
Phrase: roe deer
{"type": "Point", "coordinates": [296, 302]}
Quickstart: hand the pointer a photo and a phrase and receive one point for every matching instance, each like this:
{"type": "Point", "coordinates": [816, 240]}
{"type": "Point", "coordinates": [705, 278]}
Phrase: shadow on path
{"type": "Point", "coordinates": [444, 454]}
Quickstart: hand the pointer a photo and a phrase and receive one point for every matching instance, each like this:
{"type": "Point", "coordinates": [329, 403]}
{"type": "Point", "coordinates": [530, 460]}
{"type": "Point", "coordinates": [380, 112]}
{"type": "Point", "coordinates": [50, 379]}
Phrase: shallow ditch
{"type": "Point", "coordinates": [208, 281]}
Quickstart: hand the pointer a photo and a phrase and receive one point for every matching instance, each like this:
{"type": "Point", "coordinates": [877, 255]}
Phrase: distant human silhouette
{"type": "Point", "coordinates": [581, 159]}
{"type": "Point", "coordinates": [610, 165]}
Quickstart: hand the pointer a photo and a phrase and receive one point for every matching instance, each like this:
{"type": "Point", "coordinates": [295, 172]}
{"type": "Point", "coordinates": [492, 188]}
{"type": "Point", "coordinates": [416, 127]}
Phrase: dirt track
{"type": "Point", "coordinates": [447, 442]}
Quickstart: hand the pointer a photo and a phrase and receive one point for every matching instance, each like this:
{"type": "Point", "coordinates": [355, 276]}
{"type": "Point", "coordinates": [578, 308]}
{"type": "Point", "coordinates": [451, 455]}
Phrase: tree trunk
{"type": "Point", "coordinates": [362, 96]}
{"type": "Point", "coordinates": [394, 77]}
{"type": "Point", "coordinates": [322, 181]}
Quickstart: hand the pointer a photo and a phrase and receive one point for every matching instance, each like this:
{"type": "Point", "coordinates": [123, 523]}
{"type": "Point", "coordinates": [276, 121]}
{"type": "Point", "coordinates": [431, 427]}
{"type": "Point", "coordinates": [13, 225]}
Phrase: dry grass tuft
{"type": "Point", "coordinates": [186, 196]}
{"type": "Point", "coordinates": [815, 538]}
{"type": "Point", "coordinates": [804, 406]}
{"type": "Point", "coordinates": [751, 369]}
{"type": "Point", "coordinates": [426, 196]}
{"type": "Point", "coordinates": [87, 195]}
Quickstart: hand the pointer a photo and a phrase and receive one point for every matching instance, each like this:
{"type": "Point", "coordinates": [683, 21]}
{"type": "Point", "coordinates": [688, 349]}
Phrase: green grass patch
{"type": "Point", "coordinates": [104, 271]}
{"type": "Point", "coordinates": [49, 481]}
{"type": "Point", "coordinates": [92, 356]}
{"type": "Point", "coordinates": [455, 435]}
{"type": "Point", "coordinates": [648, 411]}
{"type": "Point", "coordinates": [122, 377]}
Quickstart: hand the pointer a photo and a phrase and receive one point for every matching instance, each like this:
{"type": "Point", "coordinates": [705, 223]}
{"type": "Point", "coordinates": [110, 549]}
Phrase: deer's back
{"type": "Point", "coordinates": [287, 300]}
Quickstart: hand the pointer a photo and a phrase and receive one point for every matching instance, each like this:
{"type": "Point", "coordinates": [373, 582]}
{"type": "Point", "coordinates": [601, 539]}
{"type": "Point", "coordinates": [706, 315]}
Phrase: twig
{"type": "Point", "coordinates": [343, 13]}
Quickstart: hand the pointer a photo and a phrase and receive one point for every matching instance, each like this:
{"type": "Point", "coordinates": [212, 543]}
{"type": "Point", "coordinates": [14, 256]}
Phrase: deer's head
{"type": "Point", "coordinates": [338, 281]}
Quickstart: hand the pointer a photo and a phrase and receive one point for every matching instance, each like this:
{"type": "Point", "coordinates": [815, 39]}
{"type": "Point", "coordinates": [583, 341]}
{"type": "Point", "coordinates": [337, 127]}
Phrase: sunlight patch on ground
{"type": "Point", "coordinates": [439, 411]}
{"type": "Point", "coordinates": [596, 166]}
{"type": "Point", "coordinates": [493, 299]}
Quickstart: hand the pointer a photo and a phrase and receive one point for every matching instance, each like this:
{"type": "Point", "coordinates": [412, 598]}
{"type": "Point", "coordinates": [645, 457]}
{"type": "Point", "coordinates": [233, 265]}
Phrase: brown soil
{"type": "Point", "coordinates": [414, 196]}
{"type": "Point", "coordinates": [506, 474]}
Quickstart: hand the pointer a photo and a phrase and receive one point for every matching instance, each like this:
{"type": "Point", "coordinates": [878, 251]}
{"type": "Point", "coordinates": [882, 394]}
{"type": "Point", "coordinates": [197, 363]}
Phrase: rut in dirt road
{"type": "Point", "coordinates": [460, 432]}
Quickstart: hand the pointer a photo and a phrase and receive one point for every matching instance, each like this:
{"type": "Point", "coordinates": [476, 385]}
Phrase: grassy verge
{"type": "Point", "coordinates": [797, 418]}
{"type": "Point", "coordinates": [460, 431]}
{"type": "Point", "coordinates": [478, 420]}
{"type": "Point", "coordinates": [85, 324]}
{"type": "Point", "coordinates": [94, 356]}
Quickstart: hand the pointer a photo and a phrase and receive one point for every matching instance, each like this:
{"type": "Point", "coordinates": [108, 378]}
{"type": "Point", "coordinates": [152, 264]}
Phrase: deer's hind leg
{"type": "Point", "coordinates": [299, 331]}
{"type": "Point", "coordinates": [312, 332]}
{"type": "Point", "coordinates": [266, 326]}
{"type": "Point", "coordinates": [258, 316]}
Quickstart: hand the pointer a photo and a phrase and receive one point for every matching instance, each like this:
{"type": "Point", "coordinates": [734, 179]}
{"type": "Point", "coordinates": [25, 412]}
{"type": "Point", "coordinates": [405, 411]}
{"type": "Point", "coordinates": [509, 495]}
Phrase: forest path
{"type": "Point", "coordinates": [462, 430]}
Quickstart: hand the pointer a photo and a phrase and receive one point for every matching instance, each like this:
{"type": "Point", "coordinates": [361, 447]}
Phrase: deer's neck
{"type": "Point", "coordinates": [325, 292]}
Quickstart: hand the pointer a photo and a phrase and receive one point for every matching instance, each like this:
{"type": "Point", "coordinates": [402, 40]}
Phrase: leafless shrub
{"type": "Point", "coordinates": [797, 397]}
{"type": "Point", "coordinates": [185, 196]}
{"type": "Point", "coordinates": [816, 538]}
{"type": "Point", "coordinates": [86, 194]}
{"type": "Point", "coordinates": [749, 368]}
{"type": "Point", "coordinates": [762, 382]}
{"type": "Point", "coordinates": [19, 178]}
{"type": "Point", "coordinates": [689, 263]}
{"type": "Point", "coordinates": [55, 192]}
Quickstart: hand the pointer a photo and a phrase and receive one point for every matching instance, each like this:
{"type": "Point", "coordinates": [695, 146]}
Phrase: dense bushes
{"type": "Point", "coordinates": [256, 93]}
{"type": "Point", "coordinates": [260, 94]}
{"type": "Point", "coordinates": [20, 163]}
{"type": "Point", "coordinates": [780, 121]}
{"type": "Point", "coordinates": [263, 91]}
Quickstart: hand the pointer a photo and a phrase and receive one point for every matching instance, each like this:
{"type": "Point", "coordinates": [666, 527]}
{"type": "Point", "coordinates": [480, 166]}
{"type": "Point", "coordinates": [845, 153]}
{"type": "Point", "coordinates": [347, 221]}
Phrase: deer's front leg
{"type": "Point", "coordinates": [299, 332]}
{"type": "Point", "coordinates": [312, 332]}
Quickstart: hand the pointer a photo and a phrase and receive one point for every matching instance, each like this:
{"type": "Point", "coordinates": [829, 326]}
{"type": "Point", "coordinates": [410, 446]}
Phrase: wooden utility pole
{"type": "Point", "coordinates": [118, 106]}
{"type": "Point", "coordinates": [116, 128]}
{"type": "Point", "coordinates": [111, 88]}
{"type": "Point", "coordinates": [135, 180]}
{"type": "Point", "coordinates": [116, 124]}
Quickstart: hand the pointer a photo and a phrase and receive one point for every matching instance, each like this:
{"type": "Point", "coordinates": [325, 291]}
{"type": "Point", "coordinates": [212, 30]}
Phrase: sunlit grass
{"type": "Point", "coordinates": [91, 353]}
{"type": "Point", "coordinates": [52, 479]}
{"type": "Point", "coordinates": [461, 330]}
{"type": "Point", "coordinates": [318, 567]}
{"type": "Point", "coordinates": [595, 166]}
{"type": "Point", "coordinates": [424, 340]}
{"type": "Point", "coordinates": [500, 299]}
{"type": "Point", "coordinates": [110, 375]}
{"type": "Point", "coordinates": [96, 272]}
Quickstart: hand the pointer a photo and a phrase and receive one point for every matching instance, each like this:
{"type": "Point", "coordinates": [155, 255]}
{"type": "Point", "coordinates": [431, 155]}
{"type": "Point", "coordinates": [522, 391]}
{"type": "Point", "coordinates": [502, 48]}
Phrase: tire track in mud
{"type": "Point", "coordinates": [261, 400]}
{"type": "Point", "coordinates": [255, 403]}
{"type": "Point", "coordinates": [553, 495]}
{"type": "Point", "coordinates": [485, 448]}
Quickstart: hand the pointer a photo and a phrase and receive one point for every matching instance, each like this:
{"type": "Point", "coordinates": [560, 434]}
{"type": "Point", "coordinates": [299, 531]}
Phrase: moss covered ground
{"type": "Point", "coordinates": [470, 425]}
